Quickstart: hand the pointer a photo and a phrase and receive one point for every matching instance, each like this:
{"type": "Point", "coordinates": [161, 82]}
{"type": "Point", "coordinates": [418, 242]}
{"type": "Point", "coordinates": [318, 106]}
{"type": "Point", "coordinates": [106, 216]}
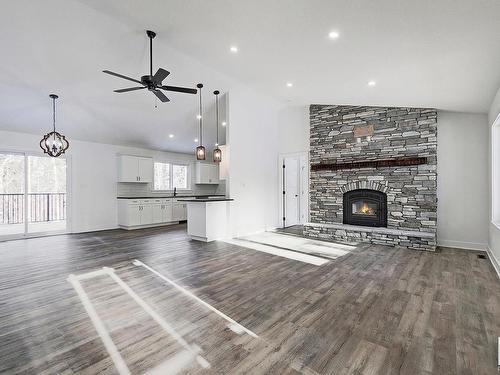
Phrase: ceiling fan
{"type": "Point", "coordinates": [152, 82]}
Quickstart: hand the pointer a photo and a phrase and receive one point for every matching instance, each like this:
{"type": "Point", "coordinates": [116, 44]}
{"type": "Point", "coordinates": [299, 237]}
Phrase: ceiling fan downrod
{"type": "Point", "coordinates": [151, 35]}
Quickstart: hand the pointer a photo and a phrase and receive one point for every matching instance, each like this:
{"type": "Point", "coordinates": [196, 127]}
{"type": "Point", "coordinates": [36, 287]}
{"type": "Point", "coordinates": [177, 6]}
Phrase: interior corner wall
{"type": "Point", "coordinates": [462, 180]}
{"type": "Point", "coordinates": [252, 135]}
{"type": "Point", "coordinates": [494, 231]}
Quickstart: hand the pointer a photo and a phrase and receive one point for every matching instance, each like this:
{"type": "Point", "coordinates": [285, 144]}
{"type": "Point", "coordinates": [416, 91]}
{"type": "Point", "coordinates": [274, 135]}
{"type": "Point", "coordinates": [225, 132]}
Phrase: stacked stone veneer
{"type": "Point", "coordinates": [411, 190]}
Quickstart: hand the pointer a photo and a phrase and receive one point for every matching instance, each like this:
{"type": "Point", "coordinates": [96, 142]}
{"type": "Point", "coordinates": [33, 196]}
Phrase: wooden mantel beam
{"type": "Point", "coordinates": [399, 162]}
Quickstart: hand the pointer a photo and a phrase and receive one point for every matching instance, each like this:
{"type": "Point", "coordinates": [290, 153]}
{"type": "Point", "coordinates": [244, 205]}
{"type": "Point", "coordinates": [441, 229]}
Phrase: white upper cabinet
{"type": "Point", "coordinates": [207, 173]}
{"type": "Point", "coordinates": [145, 169]}
{"type": "Point", "coordinates": [135, 169]}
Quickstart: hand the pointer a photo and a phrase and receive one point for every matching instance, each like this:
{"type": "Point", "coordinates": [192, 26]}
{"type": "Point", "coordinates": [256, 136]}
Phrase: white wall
{"type": "Point", "coordinates": [93, 168]}
{"type": "Point", "coordinates": [293, 129]}
{"type": "Point", "coordinates": [494, 231]}
{"type": "Point", "coordinates": [462, 180]}
{"type": "Point", "coordinates": [252, 134]}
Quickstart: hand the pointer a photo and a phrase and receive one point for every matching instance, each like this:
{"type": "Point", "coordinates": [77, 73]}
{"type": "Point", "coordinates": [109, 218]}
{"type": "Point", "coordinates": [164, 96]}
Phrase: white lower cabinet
{"type": "Point", "coordinates": [179, 211]}
{"type": "Point", "coordinates": [143, 212]}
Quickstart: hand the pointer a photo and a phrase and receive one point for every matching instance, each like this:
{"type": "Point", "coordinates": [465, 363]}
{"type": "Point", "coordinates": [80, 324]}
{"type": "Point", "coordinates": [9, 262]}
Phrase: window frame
{"type": "Point", "coordinates": [171, 175]}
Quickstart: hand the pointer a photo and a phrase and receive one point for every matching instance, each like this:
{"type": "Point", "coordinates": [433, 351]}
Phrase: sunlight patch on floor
{"type": "Point", "coordinates": [304, 245]}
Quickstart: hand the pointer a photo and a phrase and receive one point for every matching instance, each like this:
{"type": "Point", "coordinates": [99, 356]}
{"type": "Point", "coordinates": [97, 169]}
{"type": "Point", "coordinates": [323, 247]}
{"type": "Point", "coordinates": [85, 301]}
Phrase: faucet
{"type": "Point", "coordinates": [175, 191]}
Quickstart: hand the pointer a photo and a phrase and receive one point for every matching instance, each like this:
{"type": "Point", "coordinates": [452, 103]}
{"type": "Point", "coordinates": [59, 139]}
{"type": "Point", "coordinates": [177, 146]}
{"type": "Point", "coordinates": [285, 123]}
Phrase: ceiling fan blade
{"type": "Point", "coordinates": [130, 89]}
{"type": "Point", "coordinates": [160, 75]}
{"type": "Point", "coordinates": [186, 90]}
{"type": "Point", "coordinates": [161, 96]}
{"type": "Point", "coordinates": [121, 76]}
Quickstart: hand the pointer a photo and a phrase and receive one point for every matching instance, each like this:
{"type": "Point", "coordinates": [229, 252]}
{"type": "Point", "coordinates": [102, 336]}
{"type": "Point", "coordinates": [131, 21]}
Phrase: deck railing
{"type": "Point", "coordinates": [42, 207]}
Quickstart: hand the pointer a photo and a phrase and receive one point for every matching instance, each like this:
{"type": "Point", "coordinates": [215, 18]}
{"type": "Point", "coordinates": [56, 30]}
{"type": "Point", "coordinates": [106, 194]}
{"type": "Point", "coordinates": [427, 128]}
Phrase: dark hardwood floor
{"type": "Point", "coordinates": [377, 310]}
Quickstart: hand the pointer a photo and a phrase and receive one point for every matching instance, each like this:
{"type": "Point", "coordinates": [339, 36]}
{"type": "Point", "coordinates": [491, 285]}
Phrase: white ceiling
{"type": "Point", "coordinates": [443, 54]}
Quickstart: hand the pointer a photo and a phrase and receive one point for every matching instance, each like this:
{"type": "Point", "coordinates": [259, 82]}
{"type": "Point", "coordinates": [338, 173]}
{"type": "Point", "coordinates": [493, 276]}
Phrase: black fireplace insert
{"type": "Point", "coordinates": [365, 207]}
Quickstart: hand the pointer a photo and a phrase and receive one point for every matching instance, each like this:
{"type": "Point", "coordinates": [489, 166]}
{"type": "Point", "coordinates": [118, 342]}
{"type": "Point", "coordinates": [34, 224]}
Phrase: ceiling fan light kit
{"type": "Point", "coordinates": [217, 153]}
{"type": "Point", "coordinates": [154, 83]}
{"type": "Point", "coordinates": [54, 144]}
{"type": "Point", "coordinates": [200, 150]}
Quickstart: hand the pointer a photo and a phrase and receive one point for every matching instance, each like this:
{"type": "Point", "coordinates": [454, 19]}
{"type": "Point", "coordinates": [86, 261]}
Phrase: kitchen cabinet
{"type": "Point", "coordinates": [138, 213]}
{"type": "Point", "coordinates": [207, 173]}
{"type": "Point", "coordinates": [135, 169]}
{"type": "Point", "coordinates": [162, 211]}
{"type": "Point", "coordinates": [179, 210]}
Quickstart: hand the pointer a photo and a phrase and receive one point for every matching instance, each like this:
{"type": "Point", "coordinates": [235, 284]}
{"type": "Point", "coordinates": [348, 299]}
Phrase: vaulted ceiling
{"type": "Point", "coordinates": [443, 54]}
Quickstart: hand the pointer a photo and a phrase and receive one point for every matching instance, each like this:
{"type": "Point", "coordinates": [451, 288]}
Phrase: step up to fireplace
{"type": "Point", "coordinates": [411, 239]}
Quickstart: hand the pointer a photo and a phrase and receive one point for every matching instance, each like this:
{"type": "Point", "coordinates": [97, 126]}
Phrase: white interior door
{"type": "Point", "coordinates": [291, 187]}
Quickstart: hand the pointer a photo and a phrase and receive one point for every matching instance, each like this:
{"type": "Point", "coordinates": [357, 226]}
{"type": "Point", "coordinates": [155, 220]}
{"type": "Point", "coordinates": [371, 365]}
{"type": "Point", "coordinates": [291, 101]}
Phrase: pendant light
{"type": "Point", "coordinates": [54, 143]}
{"type": "Point", "coordinates": [200, 150]}
{"type": "Point", "coordinates": [217, 151]}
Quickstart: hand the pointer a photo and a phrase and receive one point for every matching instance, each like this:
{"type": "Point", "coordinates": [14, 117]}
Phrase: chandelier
{"type": "Point", "coordinates": [54, 143]}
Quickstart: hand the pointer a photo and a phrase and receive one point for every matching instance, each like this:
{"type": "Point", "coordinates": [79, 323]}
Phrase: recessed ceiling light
{"type": "Point", "coordinates": [170, 136]}
{"type": "Point", "coordinates": [333, 34]}
{"type": "Point", "coordinates": [289, 84]}
{"type": "Point", "coordinates": [198, 117]}
{"type": "Point", "coordinates": [196, 139]}
{"type": "Point", "coordinates": [224, 123]}
{"type": "Point", "coordinates": [372, 83]}
{"type": "Point", "coordinates": [233, 49]}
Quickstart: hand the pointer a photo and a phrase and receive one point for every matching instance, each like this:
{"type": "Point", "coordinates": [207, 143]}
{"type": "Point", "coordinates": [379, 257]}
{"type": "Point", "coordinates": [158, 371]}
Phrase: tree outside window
{"type": "Point", "coordinates": [179, 176]}
{"type": "Point", "coordinates": [161, 176]}
{"type": "Point", "coordinates": [168, 176]}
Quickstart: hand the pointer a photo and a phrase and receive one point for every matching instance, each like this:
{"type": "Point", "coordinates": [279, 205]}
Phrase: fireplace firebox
{"type": "Point", "coordinates": [365, 207]}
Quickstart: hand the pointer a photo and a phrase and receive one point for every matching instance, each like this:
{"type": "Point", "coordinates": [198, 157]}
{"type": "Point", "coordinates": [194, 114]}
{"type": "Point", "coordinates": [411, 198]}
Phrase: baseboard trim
{"type": "Point", "coordinates": [463, 245]}
{"type": "Point", "coordinates": [494, 261]}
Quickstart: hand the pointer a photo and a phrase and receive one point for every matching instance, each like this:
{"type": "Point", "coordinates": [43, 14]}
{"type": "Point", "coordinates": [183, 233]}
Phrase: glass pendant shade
{"type": "Point", "coordinates": [200, 153]}
{"type": "Point", "coordinates": [217, 155]}
{"type": "Point", "coordinates": [54, 144]}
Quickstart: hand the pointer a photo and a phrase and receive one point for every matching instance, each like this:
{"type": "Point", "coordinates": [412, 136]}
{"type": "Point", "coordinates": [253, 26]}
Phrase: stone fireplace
{"type": "Point", "coordinates": [373, 175]}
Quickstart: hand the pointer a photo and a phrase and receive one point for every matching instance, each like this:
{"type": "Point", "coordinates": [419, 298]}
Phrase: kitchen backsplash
{"type": "Point", "coordinates": [134, 189]}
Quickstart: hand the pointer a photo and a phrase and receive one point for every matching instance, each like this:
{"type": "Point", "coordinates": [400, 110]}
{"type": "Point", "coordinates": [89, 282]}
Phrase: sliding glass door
{"type": "Point", "coordinates": [46, 196]}
{"type": "Point", "coordinates": [33, 194]}
{"type": "Point", "coordinates": [12, 197]}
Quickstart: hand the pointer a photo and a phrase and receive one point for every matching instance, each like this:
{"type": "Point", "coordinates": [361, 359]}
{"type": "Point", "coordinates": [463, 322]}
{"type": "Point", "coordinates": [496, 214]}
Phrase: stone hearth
{"type": "Point", "coordinates": [353, 134]}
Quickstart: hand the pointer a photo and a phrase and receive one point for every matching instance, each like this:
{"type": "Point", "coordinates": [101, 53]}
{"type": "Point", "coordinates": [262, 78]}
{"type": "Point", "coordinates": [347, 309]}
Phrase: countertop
{"type": "Point", "coordinates": [201, 200]}
{"type": "Point", "coordinates": [172, 196]}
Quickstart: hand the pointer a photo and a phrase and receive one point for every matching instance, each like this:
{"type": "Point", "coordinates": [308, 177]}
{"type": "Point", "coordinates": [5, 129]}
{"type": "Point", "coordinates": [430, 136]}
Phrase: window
{"type": "Point", "coordinates": [168, 176]}
{"type": "Point", "coordinates": [162, 176]}
{"type": "Point", "coordinates": [180, 176]}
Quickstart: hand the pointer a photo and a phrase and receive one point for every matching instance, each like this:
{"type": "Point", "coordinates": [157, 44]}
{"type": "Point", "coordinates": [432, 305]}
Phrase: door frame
{"type": "Point", "coordinates": [26, 234]}
{"type": "Point", "coordinates": [304, 187]}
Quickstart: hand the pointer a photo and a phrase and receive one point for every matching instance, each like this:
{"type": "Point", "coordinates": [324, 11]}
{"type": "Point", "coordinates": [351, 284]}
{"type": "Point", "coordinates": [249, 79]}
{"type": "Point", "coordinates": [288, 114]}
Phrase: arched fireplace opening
{"type": "Point", "coordinates": [365, 207]}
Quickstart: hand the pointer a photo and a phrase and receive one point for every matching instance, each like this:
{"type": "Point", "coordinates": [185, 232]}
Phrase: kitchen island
{"type": "Point", "coordinates": [207, 218]}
